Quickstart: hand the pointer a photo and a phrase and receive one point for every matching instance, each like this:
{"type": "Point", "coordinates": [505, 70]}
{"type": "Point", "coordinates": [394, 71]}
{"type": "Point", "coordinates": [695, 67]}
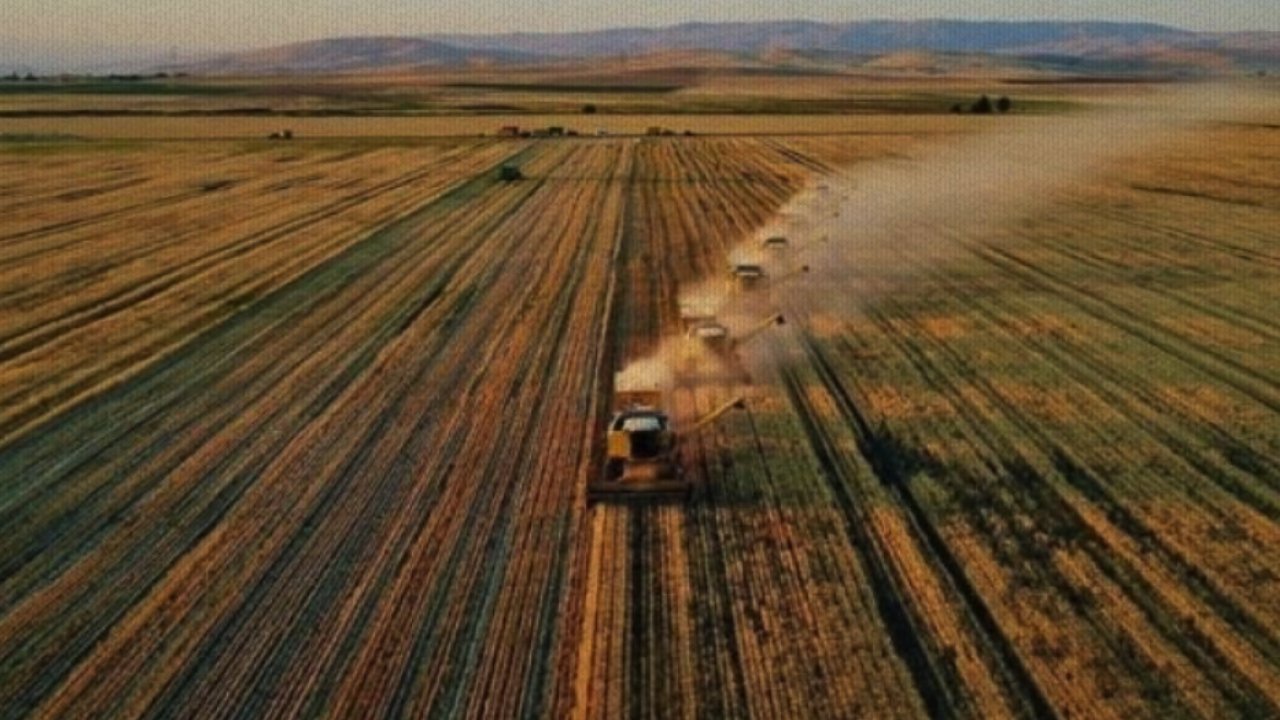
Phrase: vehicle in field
{"type": "Point", "coordinates": [747, 276]}
{"type": "Point", "coordinates": [710, 338]}
{"type": "Point", "coordinates": [716, 337]}
{"type": "Point", "coordinates": [710, 334]}
{"type": "Point", "coordinates": [642, 460]}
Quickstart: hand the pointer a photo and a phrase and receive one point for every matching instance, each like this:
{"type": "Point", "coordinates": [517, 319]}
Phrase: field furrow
{"type": "Point", "coordinates": [304, 430]}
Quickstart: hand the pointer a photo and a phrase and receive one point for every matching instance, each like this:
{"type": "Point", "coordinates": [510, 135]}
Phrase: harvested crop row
{"type": "Point", "coordinates": [985, 406]}
{"type": "Point", "coordinates": [177, 174]}
{"type": "Point", "coordinates": [64, 362]}
{"type": "Point", "coordinates": [519, 295]}
{"type": "Point", "coordinates": [674, 582]}
{"type": "Point", "coordinates": [921, 424]}
{"type": "Point", "coordinates": [333, 464]}
{"type": "Point", "coordinates": [203, 480]}
{"type": "Point", "coordinates": [1018, 566]}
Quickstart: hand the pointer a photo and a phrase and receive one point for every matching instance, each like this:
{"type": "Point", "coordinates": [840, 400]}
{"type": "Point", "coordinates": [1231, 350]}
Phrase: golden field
{"type": "Point", "coordinates": [305, 428]}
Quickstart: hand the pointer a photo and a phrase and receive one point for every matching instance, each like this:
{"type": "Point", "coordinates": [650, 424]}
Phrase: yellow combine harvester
{"type": "Point", "coordinates": [710, 338]}
{"type": "Point", "coordinates": [642, 450]}
{"type": "Point", "coordinates": [747, 276]}
{"type": "Point", "coordinates": [715, 337]}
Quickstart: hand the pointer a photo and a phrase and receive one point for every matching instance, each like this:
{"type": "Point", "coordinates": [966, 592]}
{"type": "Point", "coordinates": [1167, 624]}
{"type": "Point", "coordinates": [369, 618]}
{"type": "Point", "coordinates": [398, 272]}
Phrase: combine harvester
{"type": "Point", "coordinates": [643, 450]}
{"type": "Point", "coordinates": [712, 338]}
{"type": "Point", "coordinates": [778, 245]}
{"type": "Point", "coordinates": [710, 335]}
{"type": "Point", "coordinates": [716, 338]}
{"type": "Point", "coordinates": [642, 455]}
{"type": "Point", "coordinates": [750, 277]}
{"type": "Point", "coordinates": [747, 276]}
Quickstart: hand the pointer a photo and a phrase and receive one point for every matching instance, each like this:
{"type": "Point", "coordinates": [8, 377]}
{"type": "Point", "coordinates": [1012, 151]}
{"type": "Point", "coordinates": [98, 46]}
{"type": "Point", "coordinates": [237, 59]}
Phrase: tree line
{"type": "Point", "coordinates": [984, 106]}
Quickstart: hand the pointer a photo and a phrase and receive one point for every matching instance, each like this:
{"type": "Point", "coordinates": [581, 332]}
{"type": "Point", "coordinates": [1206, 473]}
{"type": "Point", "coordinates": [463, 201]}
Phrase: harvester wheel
{"type": "Point", "coordinates": [613, 469]}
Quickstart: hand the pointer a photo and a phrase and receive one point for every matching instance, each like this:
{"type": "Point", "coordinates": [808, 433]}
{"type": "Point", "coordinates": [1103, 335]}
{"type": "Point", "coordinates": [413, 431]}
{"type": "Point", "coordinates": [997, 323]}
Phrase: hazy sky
{"type": "Point", "coordinates": [73, 26]}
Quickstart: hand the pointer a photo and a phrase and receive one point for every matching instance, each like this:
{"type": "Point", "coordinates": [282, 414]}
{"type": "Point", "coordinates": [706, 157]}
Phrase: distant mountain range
{"type": "Point", "coordinates": [357, 54]}
{"type": "Point", "coordinates": [1070, 44]}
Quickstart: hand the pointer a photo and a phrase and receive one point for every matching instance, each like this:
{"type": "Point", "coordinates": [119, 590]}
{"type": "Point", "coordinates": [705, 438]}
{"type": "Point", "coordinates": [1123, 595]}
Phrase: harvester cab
{"type": "Point", "coordinates": [642, 450]}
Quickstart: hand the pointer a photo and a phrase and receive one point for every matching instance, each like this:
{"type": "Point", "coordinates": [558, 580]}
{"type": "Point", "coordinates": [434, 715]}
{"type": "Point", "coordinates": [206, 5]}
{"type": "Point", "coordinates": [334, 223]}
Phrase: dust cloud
{"type": "Point", "coordinates": [865, 231]}
{"type": "Point", "coordinates": [656, 372]}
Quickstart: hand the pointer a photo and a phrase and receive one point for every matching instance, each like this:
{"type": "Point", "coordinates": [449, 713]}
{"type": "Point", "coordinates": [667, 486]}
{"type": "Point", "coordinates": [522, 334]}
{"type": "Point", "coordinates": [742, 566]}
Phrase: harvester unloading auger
{"type": "Point", "coordinates": [643, 449]}
{"type": "Point", "coordinates": [710, 352]}
{"type": "Point", "coordinates": [716, 337]}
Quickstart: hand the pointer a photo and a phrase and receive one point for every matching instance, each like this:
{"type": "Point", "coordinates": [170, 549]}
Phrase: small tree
{"type": "Point", "coordinates": [589, 109]}
{"type": "Point", "coordinates": [1004, 104]}
{"type": "Point", "coordinates": [30, 77]}
{"type": "Point", "coordinates": [982, 107]}
{"type": "Point", "coordinates": [957, 109]}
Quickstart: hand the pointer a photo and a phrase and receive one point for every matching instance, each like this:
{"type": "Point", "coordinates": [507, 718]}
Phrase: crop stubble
{"type": "Point", "coordinates": [258, 457]}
